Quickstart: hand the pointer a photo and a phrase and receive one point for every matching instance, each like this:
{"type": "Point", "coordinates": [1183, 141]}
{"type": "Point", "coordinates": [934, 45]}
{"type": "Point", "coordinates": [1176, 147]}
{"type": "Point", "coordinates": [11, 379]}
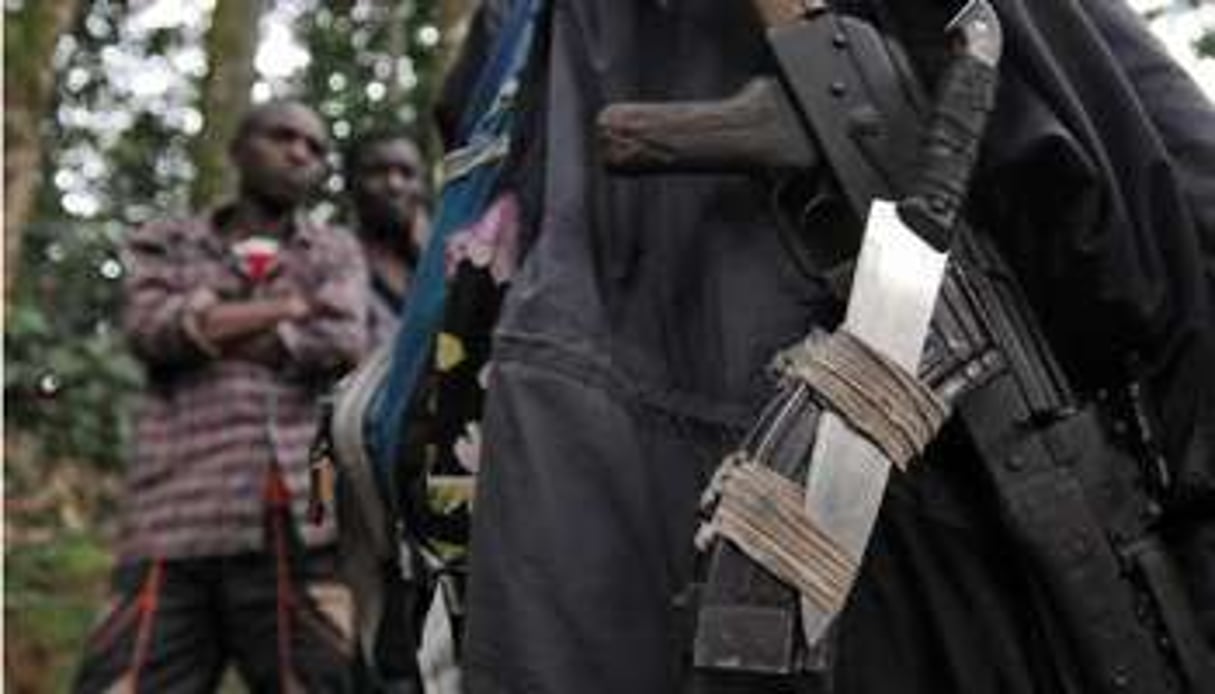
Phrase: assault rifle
{"type": "Point", "coordinates": [1072, 491]}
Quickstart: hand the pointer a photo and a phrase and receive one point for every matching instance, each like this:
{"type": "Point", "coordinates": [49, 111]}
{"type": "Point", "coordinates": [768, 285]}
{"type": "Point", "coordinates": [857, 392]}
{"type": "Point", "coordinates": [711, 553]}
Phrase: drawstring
{"type": "Point", "coordinates": [278, 505]}
{"type": "Point", "coordinates": [277, 496]}
{"type": "Point", "coordinates": [146, 606]}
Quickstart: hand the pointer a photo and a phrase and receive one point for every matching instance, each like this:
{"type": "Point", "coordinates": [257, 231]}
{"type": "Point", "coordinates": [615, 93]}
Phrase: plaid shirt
{"type": "Point", "coordinates": [208, 428]}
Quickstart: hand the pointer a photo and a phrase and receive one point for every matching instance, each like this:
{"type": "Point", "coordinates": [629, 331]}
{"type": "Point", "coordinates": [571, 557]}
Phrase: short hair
{"type": "Point", "coordinates": [252, 118]}
{"type": "Point", "coordinates": [360, 144]}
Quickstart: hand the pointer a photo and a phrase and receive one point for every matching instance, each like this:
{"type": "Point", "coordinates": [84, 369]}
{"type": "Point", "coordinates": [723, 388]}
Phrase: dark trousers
{"type": "Point", "coordinates": [175, 625]}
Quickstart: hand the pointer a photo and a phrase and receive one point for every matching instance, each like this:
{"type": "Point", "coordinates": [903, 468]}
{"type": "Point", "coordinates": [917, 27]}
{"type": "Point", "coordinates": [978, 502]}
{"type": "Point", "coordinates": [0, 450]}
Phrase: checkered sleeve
{"type": "Point", "coordinates": [158, 303]}
{"type": "Point", "coordinates": [334, 337]}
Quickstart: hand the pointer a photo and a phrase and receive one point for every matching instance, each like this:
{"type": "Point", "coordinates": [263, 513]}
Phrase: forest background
{"type": "Point", "coordinates": [118, 111]}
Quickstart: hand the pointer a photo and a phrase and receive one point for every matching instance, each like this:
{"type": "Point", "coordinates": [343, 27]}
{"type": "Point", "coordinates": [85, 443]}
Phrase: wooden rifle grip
{"type": "Point", "coordinates": [756, 129]}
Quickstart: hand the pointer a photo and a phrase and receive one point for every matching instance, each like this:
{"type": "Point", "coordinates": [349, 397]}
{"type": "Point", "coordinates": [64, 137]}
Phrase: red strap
{"type": "Point", "coordinates": [276, 492]}
{"type": "Point", "coordinates": [278, 499]}
{"type": "Point", "coordinates": [148, 601]}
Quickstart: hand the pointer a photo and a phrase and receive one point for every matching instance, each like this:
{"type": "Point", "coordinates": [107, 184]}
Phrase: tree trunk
{"type": "Point", "coordinates": [30, 37]}
{"type": "Point", "coordinates": [396, 44]}
{"type": "Point", "coordinates": [231, 45]}
{"type": "Point", "coordinates": [453, 26]}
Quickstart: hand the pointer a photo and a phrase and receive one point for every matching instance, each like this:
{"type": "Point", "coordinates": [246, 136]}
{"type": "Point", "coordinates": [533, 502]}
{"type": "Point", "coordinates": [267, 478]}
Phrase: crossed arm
{"type": "Point", "coordinates": [320, 327]}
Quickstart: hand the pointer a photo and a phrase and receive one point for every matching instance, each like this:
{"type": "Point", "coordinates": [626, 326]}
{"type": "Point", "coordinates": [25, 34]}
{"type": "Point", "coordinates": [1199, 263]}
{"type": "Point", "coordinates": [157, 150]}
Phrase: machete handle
{"type": "Point", "coordinates": [949, 147]}
{"type": "Point", "coordinates": [756, 129]}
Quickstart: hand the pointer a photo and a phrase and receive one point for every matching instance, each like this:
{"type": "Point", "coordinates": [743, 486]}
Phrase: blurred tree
{"type": "Point", "coordinates": [115, 155]}
{"type": "Point", "coordinates": [68, 376]}
{"type": "Point", "coordinates": [1183, 11]}
{"type": "Point", "coordinates": [31, 32]}
{"type": "Point", "coordinates": [453, 24]}
{"type": "Point", "coordinates": [370, 61]}
{"type": "Point", "coordinates": [1205, 45]}
{"type": "Point", "coordinates": [126, 110]}
{"type": "Point", "coordinates": [231, 44]}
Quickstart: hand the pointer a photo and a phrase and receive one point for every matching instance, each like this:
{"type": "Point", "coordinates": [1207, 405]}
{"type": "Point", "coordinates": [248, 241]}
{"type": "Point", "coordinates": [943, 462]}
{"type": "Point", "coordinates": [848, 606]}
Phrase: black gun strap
{"type": "Point", "coordinates": [1067, 492]}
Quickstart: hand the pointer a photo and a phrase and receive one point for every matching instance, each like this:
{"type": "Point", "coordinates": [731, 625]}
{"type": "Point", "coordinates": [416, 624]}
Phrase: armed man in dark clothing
{"type": "Point", "coordinates": [243, 316]}
{"type": "Point", "coordinates": [1052, 535]}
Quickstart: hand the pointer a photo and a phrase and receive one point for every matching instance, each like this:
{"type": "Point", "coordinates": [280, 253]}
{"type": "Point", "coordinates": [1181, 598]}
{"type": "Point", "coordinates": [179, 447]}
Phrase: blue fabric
{"type": "Point", "coordinates": [487, 119]}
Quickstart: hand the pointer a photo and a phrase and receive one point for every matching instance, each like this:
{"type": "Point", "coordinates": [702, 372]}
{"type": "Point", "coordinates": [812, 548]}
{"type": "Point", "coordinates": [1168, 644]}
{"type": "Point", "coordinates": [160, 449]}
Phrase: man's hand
{"type": "Point", "coordinates": [244, 327]}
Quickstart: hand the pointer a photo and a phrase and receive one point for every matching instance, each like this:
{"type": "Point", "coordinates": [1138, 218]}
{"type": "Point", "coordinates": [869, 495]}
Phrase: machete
{"type": "Point", "coordinates": [904, 252]}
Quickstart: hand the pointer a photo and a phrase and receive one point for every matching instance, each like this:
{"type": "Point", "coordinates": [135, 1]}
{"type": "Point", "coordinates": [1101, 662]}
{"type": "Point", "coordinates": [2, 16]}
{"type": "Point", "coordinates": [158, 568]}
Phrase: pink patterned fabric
{"type": "Point", "coordinates": [491, 242]}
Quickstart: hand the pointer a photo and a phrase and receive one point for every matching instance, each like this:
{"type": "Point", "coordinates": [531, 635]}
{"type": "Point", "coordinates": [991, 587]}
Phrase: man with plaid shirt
{"type": "Point", "coordinates": [243, 317]}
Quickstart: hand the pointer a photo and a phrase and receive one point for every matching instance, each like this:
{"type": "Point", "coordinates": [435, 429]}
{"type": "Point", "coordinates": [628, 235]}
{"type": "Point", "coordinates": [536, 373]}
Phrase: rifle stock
{"type": "Point", "coordinates": [754, 130]}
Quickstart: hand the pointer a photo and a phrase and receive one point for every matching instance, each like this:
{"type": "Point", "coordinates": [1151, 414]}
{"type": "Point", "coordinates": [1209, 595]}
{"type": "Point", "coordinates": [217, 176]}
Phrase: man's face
{"type": "Point", "coordinates": [388, 186]}
{"type": "Point", "coordinates": [282, 157]}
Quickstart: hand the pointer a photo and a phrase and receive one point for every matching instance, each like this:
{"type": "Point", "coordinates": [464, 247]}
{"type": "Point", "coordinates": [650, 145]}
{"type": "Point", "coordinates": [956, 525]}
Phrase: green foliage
{"type": "Point", "coordinates": [37, 568]}
{"type": "Point", "coordinates": [124, 115]}
{"type": "Point", "coordinates": [29, 31]}
{"type": "Point", "coordinates": [114, 153]}
{"type": "Point", "coordinates": [1205, 45]}
{"type": "Point", "coordinates": [373, 65]}
{"type": "Point", "coordinates": [53, 592]}
{"type": "Point", "coordinates": [69, 378]}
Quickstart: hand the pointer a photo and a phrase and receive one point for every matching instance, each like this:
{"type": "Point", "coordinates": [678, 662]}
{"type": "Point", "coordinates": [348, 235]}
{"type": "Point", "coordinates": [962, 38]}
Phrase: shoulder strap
{"type": "Point", "coordinates": [470, 179]}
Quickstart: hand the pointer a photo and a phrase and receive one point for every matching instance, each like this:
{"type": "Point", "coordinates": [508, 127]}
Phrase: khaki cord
{"type": "Point", "coordinates": [876, 397]}
{"type": "Point", "coordinates": [762, 513]}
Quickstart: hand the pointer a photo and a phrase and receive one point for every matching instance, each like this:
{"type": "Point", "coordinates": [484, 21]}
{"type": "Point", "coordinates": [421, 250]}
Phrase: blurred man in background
{"type": "Point", "coordinates": [386, 182]}
{"type": "Point", "coordinates": [242, 317]}
{"type": "Point", "coordinates": [386, 179]}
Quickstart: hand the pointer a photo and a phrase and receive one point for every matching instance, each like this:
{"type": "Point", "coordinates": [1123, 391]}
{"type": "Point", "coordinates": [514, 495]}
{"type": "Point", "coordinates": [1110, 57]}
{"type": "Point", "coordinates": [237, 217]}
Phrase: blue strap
{"type": "Point", "coordinates": [485, 129]}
